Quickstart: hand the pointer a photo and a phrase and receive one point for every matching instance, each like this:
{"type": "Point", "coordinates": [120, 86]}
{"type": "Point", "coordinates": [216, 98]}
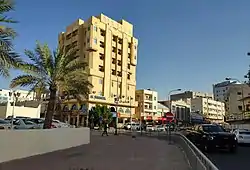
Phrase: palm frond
{"type": "Point", "coordinates": [24, 81]}
{"type": "Point", "coordinates": [6, 6]}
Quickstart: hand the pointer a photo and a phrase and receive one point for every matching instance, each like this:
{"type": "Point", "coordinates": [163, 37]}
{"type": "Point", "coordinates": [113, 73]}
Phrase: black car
{"type": "Point", "coordinates": [211, 136]}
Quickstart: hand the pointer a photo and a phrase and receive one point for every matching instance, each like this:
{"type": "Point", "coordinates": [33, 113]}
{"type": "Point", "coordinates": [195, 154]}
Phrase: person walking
{"type": "Point", "coordinates": [105, 129]}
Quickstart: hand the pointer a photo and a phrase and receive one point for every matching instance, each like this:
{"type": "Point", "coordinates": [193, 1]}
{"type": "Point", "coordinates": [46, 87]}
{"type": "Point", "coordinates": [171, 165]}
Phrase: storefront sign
{"type": "Point", "coordinates": [98, 97]}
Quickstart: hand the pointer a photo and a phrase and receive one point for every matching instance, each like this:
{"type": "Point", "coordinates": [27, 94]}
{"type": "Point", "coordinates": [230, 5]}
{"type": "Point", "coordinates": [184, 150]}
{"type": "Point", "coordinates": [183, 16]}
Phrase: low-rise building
{"type": "Point", "coordinates": [23, 109]}
{"type": "Point", "coordinates": [180, 108]}
{"type": "Point", "coordinates": [190, 95]}
{"type": "Point", "coordinates": [212, 110]}
{"type": "Point", "coordinates": [147, 104]}
{"type": "Point", "coordinates": [162, 110]}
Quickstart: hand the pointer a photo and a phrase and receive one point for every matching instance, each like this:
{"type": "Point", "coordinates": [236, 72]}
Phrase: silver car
{"type": "Point", "coordinates": [4, 124]}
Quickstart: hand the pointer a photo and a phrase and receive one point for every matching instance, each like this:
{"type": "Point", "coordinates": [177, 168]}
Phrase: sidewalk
{"type": "Point", "coordinates": [109, 153]}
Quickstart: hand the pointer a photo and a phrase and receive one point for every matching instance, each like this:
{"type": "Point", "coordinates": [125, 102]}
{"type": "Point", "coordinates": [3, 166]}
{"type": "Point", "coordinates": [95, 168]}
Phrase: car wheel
{"type": "Point", "coordinates": [233, 149]}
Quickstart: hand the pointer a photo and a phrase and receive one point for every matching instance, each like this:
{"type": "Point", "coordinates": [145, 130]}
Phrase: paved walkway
{"type": "Point", "coordinates": [108, 153]}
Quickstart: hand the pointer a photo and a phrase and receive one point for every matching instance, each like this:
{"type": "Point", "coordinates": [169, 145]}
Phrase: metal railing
{"type": "Point", "coordinates": [197, 160]}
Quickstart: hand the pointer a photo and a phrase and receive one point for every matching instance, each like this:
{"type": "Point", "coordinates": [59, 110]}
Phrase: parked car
{"type": "Point", "coordinates": [24, 124]}
{"type": "Point", "coordinates": [160, 128]}
{"type": "Point", "coordinates": [210, 136]}
{"type": "Point", "coordinates": [243, 136]}
{"type": "Point", "coordinates": [133, 125]}
{"type": "Point", "coordinates": [150, 128]}
{"type": "Point", "coordinates": [4, 124]}
{"type": "Point", "coordinates": [55, 123]}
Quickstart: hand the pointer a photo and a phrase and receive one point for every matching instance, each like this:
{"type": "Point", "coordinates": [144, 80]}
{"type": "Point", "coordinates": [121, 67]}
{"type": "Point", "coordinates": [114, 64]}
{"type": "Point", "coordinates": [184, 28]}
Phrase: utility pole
{"type": "Point", "coordinates": [116, 105]}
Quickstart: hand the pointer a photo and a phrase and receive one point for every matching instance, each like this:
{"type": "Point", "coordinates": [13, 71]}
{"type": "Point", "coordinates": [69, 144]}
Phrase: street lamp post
{"type": "Point", "coordinates": [242, 93]}
{"type": "Point", "coordinates": [14, 96]}
{"type": "Point", "coordinates": [170, 110]}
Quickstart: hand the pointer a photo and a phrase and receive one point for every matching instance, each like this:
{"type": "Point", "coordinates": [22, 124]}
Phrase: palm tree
{"type": "Point", "coordinates": [8, 57]}
{"type": "Point", "coordinates": [53, 70]}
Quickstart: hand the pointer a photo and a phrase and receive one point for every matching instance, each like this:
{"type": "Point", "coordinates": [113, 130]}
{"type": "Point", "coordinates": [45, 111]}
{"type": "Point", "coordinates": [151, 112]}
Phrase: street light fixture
{"type": "Point", "coordinates": [170, 110]}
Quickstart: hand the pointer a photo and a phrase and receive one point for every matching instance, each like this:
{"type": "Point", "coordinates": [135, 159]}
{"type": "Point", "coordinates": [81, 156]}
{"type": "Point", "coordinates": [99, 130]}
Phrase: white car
{"type": "Point", "coordinates": [160, 128]}
{"type": "Point", "coordinates": [55, 123]}
{"type": "Point", "coordinates": [243, 136]}
{"type": "Point", "coordinates": [150, 128]}
{"type": "Point", "coordinates": [133, 125]}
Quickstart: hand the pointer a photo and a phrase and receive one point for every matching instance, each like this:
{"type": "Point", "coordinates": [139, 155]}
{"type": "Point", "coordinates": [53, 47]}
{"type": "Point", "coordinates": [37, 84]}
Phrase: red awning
{"type": "Point", "coordinates": [149, 117]}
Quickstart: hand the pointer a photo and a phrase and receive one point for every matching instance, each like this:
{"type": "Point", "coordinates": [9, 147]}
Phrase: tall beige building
{"type": "Point", "coordinates": [110, 49]}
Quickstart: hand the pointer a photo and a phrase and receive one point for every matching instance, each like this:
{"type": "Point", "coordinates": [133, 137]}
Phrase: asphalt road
{"type": "Point", "coordinates": [228, 161]}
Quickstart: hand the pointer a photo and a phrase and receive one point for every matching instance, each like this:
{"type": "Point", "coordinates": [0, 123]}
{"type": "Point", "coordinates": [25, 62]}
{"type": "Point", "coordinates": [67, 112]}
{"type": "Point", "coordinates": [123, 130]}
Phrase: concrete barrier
{"type": "Point", "coordinates": [19, 144]}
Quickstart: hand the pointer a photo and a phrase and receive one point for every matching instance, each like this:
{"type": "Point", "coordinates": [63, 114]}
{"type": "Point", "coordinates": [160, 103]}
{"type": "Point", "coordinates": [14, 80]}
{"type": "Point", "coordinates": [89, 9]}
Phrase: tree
{"type": "Point", "coordinates": [53, 70]}
{"type": "Point", "coordinates": [8, 58]}
{"type": "Point", "coordinates": [100, 113]}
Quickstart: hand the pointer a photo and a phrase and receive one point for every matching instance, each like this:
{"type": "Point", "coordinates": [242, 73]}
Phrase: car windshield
{"type": "Point", "coordinates": [213, 128]}
{"type": "Point", "coordinates": [244, 133]}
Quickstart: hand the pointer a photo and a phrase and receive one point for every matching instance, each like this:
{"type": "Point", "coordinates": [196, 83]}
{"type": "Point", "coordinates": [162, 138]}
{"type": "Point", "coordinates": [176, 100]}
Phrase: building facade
{"type": "Point", "coordinates": [110, 50]}
{"type": "Point", "coordinates": [162, 110]}
{"type": "Point", "coordinates": [24, 95]}
{"type": "Point", "coordinates": [212, 110]}
{"type": "Point", "coordinates": [234, 105]}
{"type": "Point", "coordinates": [180, 108]}
{"type": "Point", "coordinates": [190, 95]}
{"type": "Point", "coordinates": [147, 104]}
{"type": "Point", "coordinates": [220, 90]}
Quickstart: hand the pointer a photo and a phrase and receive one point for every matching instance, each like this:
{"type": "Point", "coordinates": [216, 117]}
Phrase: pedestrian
{"type": "Point", "coordinates": [105, 129]}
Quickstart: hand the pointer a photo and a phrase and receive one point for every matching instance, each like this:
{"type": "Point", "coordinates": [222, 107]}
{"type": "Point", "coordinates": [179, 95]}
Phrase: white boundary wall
{"type": "Point", "coordinates": [18, 144]}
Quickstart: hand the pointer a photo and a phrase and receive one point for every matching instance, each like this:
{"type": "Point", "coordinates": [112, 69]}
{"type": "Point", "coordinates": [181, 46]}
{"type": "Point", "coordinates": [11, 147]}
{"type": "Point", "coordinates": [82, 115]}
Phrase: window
{"type": "Point", "coordinates": [238, 93]}
{"type": "Point", "coordinates": [128, 76]}
{"type": "Point", "coordinates": [135, 57]}
{"type": "Point", "coordinates": [113, 61]}
{"type": "Point", "coordinates": [135, 47]}
{"type": "Point", "coordinates": [101, 69]}
{"type": "Point", "coordinates": [120, 41]}
{"type": "Point", "coordinates": [95, 28]}
{"type": "Point", "coordinates": [120, 51]}
{"type": "Point", "coordinates": [114, 49]}
{"type": "Point", "coordinates": [102, 44]}
{"type": "Point", "coordinates": [88, 40]}
{"type": "Point", "coordinates": [113, 72]}
{"type": "Point", "coordinates": [128, 87]}
{"type": "Point", "coordinates": [102, 32]}
{"type": "Point", "coordinates": [240, 108]}
{"type": "Point", "coordinates": [74, 33]}
{"type": "Point", "coordinates": [129, 45]}
{"type": "Point", "coordinates": [88, 28]}
{"type": "Point", "coordinates": [95, 40]}
{"type": "Point", "coordinates": [68, 36]}
{"type": "Point", "coordinates": [74, 44]}
{"type": "Point", "coordinates": [101, 56]}
{"type": "Point", "coordinates": [119, 73]}
{"type": "Point", "coordinates": [114, 38]}
{"type": "Point", "coordinates": [119, 62]}
{"type": "Point", "coordinates": [154, 107]}
{"type": "Point", "coordinates": [112, 84]}
{"type": "Point", "coordinates": [128, 66]}
{"type": "Point", "coordinates": [155, 98]}
{"type": "Point", "coordinates": [100, 81]}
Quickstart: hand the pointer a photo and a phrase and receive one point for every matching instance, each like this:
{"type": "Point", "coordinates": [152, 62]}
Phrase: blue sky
{"type": "Point", "coordinates": [188, 44]}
